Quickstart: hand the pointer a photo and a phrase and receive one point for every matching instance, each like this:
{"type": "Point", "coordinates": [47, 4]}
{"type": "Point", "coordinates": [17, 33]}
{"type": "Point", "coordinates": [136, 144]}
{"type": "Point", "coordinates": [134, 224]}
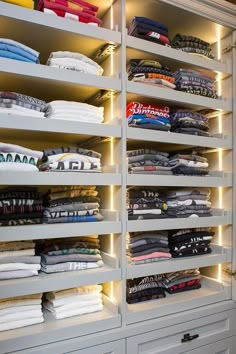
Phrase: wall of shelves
{"type": "Point", "coordinates": [109, 329]}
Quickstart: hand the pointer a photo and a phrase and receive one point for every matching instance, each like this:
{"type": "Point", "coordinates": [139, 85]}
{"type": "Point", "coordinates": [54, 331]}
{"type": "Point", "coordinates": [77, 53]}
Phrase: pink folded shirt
{"type": "Point", "coordinates": [152, 255]}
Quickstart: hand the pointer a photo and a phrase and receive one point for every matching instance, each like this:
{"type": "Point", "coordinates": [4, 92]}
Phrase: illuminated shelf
{"type": "Point", "coordinates": [211, 291]}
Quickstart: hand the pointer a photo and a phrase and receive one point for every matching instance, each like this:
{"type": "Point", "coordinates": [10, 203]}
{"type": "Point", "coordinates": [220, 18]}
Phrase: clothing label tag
{"type": "Point", "coordinates": [154, 34]}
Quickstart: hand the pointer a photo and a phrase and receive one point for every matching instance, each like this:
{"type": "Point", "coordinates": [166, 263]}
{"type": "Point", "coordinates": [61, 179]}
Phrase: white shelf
{"type": "Point", "coordinates": [44, 22]}
{"type": "Point", "coordinates": [54, 129]}
{"type": "Point", "coordinates": [177, 55]}
{"type": "Point", "coordinates": [56, 281]}
{"type": "Point", "coordinates": [60, 178]}
{"type": "Point", "coordinates": [43, 76]}
{"type": "Point", "coordinates": [210, 292]}
{"type": "Point", "coordinates": [219, 255]}
{"type": "Point", "coordinates": [56, 330]}
{"type": "Point", "coordinates": [219, 218]}
{"type": "Point", "coordinates": [225, 180]}
{"type": "Point", "coordinates": [110, 224]}
{"type": "Point", "coordinates": [170, 95]}
{"type": "Point", "coordinates": [224, 142]}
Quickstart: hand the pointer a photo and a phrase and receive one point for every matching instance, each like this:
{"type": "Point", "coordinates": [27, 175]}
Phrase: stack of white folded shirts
{"type": "Point", "coordinates": [20, 311]}
{"type": "Point", "coordinates": [74, 61]}
{"type": "Point", "coordinates": [76, 111]}
{"type": "Point", "coordinates": [18, 158]}
{"type": "Point", "coordinates": [16, 103]}
{"type": "Point", "coordinates": [18, 260]}
{"type": "Point", "coordinates": [75, 301]}
{"type": "Point", "coordinates": [71, 159]}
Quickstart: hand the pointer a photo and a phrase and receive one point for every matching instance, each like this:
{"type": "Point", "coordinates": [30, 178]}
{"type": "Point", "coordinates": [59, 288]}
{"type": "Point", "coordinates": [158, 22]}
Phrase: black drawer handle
{"type": "Point", "coordinates": [188, 338]}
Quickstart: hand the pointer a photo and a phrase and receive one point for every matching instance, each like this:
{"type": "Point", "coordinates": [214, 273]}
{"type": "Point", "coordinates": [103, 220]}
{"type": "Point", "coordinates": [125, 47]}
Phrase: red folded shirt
{"type": "Point", "coordinates": [83, 4]}
{"type": "Point", "coordinates": [158, 36]}
{"type": "Point", "coordinates": [60, 9]}
{"type": "Point", "coordinates": [74, 6]}
{"type": "Point", "coordinates": [149, 109]}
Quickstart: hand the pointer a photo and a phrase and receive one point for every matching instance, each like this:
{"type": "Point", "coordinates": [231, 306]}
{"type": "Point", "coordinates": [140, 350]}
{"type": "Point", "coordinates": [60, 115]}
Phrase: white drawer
{"type": "Point", "coordinates": [225, 346]}
{"type": "Point", "coordinates": [116, 347]}
{"type": "Point", "coordinates": [169, 340]}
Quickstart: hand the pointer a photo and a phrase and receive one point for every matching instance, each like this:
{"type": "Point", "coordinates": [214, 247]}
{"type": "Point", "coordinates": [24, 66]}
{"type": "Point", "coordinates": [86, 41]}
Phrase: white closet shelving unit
{"type": "Point", "coordinates": [143, 327]}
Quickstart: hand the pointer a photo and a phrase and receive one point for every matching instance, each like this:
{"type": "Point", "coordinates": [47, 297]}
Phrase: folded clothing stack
{"type": "Point", "coordinates": [20, 311]}
{"type": "Point", "coordinates": [184, 280]}
{"type": "Point", "coordinates": [144, 289]}
{"type": "Point", "coordinates": [148, 29]}
{"type": "Point", "coordinates": [189, 122]}
{"type": "Point", "coordinates": [77, 10]}
{"type": "Point", "coordinates": [72, 204]}
{"type": "Point", "coordinates": [144, 204]}
{"type": "Point", "coordinates": [190, 242]}
{"type": "Point", "coordinates": [74, 61]}
{"type": "Point", "coordinates": [191, 164]}
{"type": "Point", "coordinates": [148, 161]}
{"type": "Point", "coordinates": [192, 45]}
{"type": "Point", "coordinates": [192, 81]}
{"type": "Point", "coordinates": [148, 116]}
{"type": "Point", "coordinates": [70, 159]}
{"type": "Point", "coordinates": [150, 72]}
{"type": "Point", "coordinates": [18, 260]}
{"type": "Point", "coordinates": [80, 112]}
{"type": "Point", "coordinates": [18, 158]}
{"type": "Point", "coordinates": [155, 286]}
{"type": "Point", "coordinates": [15, 50]}
{"type": "Point", "coordinates": [147, 246]}
{"type": "Point", "coordinates": [24, 3]}
{"type": "Point", "coordinates": [75, 301]}
{"type": "Point", "coordinates": [20, 206]}
{"type": "Point", "coordinates": [16, 103]}
{"type": "Point", "coordinates": [188, 202]}
{"type": "Point", "coordinates": [68, 255]}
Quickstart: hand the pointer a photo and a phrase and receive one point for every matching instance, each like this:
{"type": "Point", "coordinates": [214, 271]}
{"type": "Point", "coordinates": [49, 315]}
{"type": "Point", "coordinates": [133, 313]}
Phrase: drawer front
{"type": "Point", "coordinates": [225, 346]}
{"type": "Point", "coordinates": [169, 340]}
{"type": "Point", "coordinates": [116, 347]}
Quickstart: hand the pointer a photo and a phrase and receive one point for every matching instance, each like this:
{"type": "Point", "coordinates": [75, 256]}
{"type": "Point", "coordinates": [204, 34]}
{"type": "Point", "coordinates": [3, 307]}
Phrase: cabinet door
{"type": "Point", "coordinates": [226, 346]}
{"type": "Point", "coordinates": [169, 340]}
{"type": "Point", "coordinates": [116, 347]}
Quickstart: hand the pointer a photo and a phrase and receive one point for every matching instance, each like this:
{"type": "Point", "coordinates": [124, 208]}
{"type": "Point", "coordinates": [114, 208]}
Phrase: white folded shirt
{"type": "Point", "coordinates": [74, 55]}
{"type": "Point", "coordinates": [20, 323]}
{"type": "Point", "coordinates": [76, 118]}
{"type": "Point", "coordinates": [70, 299]}
{"type": "Point", "coordinates": [18, 266]}
{"type": "Point", "coordinates": [18, 166]}
{"type": "Point", "coordinates": [15, 309]}
{"type": "Point", "coordinates": [75, 312]}
{"type": "Point", "coordinates": [68, 156]}
{"type": "Point", "coordinates": [30, 112]}
{"type": "Point", "coordinates": [21, 316]}
{"type": "Point", "coordinates": [74, 64]}
{"type": "Point", "coordinates": [76, 304]}
{"type": "Point", "coordinates": [20, 149]}
{"type": "Point", "coordinates": [80, 106]}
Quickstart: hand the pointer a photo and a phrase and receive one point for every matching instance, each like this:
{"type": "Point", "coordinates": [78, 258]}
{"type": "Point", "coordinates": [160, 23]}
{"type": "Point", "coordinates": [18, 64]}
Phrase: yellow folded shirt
{"type": "Point", "coordinates": [25, 3]}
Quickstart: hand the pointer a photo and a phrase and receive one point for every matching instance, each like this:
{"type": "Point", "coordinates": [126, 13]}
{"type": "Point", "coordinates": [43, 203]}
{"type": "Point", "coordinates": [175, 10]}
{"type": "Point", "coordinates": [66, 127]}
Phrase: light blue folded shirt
{"type": "Point", "coordinates": [17, 50]}
{"type": "Point", "coordinates": [10, 55]}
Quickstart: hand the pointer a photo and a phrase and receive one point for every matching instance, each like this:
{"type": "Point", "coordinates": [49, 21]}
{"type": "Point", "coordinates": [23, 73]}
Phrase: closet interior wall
{"type": "Point", "coordinates": [124, 328]}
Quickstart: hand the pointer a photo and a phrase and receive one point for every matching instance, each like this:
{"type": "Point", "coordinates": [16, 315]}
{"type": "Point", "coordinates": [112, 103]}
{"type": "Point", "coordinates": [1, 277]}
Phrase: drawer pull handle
{"type": "Point", "coordinates": [188, 338]}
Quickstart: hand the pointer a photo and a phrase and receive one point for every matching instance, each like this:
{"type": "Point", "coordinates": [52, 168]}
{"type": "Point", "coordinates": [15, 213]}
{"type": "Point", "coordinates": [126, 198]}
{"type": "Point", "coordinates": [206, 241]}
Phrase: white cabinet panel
{"type": "Point", "coordinates": [116, 347]}
{"type": "Point", "coordinates": [170, 339]}
{"type": "Point", "coordinates": [226, 346]}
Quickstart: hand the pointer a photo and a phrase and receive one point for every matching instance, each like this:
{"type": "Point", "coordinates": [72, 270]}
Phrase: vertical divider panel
{"type": "Point", "coordinates": [234, 167]}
